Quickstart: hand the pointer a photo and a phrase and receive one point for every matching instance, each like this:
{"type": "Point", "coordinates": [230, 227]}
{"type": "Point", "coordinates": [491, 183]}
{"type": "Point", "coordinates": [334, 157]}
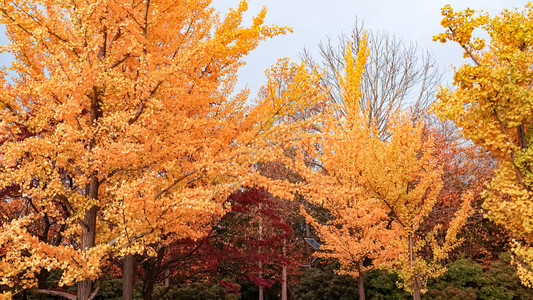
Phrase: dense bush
{"type": "Point", "coordinates": [381, 285]}
{"type": "Point", "coordinates": [463, 280]}
{"type": "Point", "coordinates": [199, 291]}
{"type": "Point", "coordinates": [323, 283]}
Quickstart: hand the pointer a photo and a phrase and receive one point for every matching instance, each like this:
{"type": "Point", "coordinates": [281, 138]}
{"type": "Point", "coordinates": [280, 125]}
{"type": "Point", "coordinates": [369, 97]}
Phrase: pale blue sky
{"type": "Point", "coordinates": [313, 20]}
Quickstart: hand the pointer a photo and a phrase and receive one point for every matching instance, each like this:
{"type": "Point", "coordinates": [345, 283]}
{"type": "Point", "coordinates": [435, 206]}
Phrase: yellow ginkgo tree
{"type": "Point", "coordinates": [492, 103]}
{"type": "Point", "coordinates": [377, 191]}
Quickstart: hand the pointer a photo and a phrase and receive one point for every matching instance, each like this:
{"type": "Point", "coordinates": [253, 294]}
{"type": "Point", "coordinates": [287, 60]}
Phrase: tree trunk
{"type": "Point", "coordinates": [361, 286]}
{"type": "Point", "coordinates": [167, 278]}
{"type": "Point", "coordinates": [152, 268]}
{"type": "Point", "coordinates": [88, 236]}
{"type": "Point", "coordinates": [417, 287]}
{"type": "Point", "coordinates": [261, 297]}
{"type": "Point", "coordinates": [416, 282]}
{"type": "Point", "coordinates": [127, 277]}
{"type": "Point", "coordinates": [41, 284]}
{"type": "Point", "coordinates": [259, 250]}
{"type": "Point", "coordinates": [307, 235]}
{"type": "Point", "coordinates": [148, 289]}
{"type": "Point", "coordinates": [284, 272]}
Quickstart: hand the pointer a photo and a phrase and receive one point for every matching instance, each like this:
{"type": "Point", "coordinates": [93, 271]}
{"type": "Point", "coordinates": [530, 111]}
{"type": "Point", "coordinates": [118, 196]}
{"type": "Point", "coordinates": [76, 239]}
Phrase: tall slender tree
{"type": "Point", "coordinates": [378, 189]}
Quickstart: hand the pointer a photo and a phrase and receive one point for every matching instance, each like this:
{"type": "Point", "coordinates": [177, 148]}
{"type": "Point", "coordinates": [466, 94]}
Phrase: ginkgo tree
{"type": "Point", "coordinates": [136, 133]}
{"type": "Point", "coordinates": [492, 104]}
{"type": "Point", "coordinates": [377, 191]}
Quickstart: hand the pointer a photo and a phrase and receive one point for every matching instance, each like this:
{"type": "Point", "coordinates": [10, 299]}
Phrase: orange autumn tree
{"type": "Point", "coordinates": [136, 134]}
{"type": "Point", "coordinates": [356, 230]}
{"type": "Point", "coordinates": [377, 192]}
{"type": "Point", "coordinates": [491, 103]}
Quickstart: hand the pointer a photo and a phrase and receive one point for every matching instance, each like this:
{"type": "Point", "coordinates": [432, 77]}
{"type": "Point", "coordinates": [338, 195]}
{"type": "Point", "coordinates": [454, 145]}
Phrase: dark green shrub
{"type": "Point", "coordinates": [465, 279]}
{"type": "Point", "coordinates": [381, 285]}
{"type": "Point", "coordinates": [500, 282]}
{"type": "Point", "coordinates": [199, 291]}
{"type": "Point", "coordinates": [318, 284]}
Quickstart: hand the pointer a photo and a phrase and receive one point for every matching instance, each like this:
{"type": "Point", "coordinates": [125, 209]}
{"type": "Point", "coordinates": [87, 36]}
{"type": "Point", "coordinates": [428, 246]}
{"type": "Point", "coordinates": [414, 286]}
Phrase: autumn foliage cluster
{"type": "Point", "coordinates": [128, 158]}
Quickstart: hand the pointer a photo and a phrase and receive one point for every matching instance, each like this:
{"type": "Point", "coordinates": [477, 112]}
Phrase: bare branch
{"type": "Point", "coordinates": [397, 75]}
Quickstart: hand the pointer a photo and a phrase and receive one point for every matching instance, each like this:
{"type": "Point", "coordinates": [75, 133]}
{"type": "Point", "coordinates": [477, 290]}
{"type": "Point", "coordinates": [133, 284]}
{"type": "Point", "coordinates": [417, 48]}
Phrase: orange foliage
{"type": "Point", "coordinates": [134, 127]}
{"type": "Point", "coordinates": [377, 192]}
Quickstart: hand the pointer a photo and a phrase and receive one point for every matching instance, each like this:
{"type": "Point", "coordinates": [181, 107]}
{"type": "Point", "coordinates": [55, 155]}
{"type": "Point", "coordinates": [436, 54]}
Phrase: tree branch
{"type": "Point", "coordinates": [140, 109]}
{"type": "Point", "coordinates": [145, 27]}
{"type": "Point", "coordinates": [513, 157]}
{"type": "Point", "coordinates": [173, 184]}
{"type": "Point", "coordinates": [115, 171]}
{"type": "Point", "coordinates": [54, 293]}
{"type": "Point", "coordinates": [120, 61]}
{"type": "Point", "coordinates": [96, 290]}
{"type": "Point", "coordinates": [140, 235]}
{"type": "Point", "coordinates": [467, 51]}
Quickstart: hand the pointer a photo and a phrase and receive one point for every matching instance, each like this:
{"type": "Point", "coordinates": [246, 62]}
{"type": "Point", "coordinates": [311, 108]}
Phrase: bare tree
{"type": "Point", "coordinates": [397, 75]}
